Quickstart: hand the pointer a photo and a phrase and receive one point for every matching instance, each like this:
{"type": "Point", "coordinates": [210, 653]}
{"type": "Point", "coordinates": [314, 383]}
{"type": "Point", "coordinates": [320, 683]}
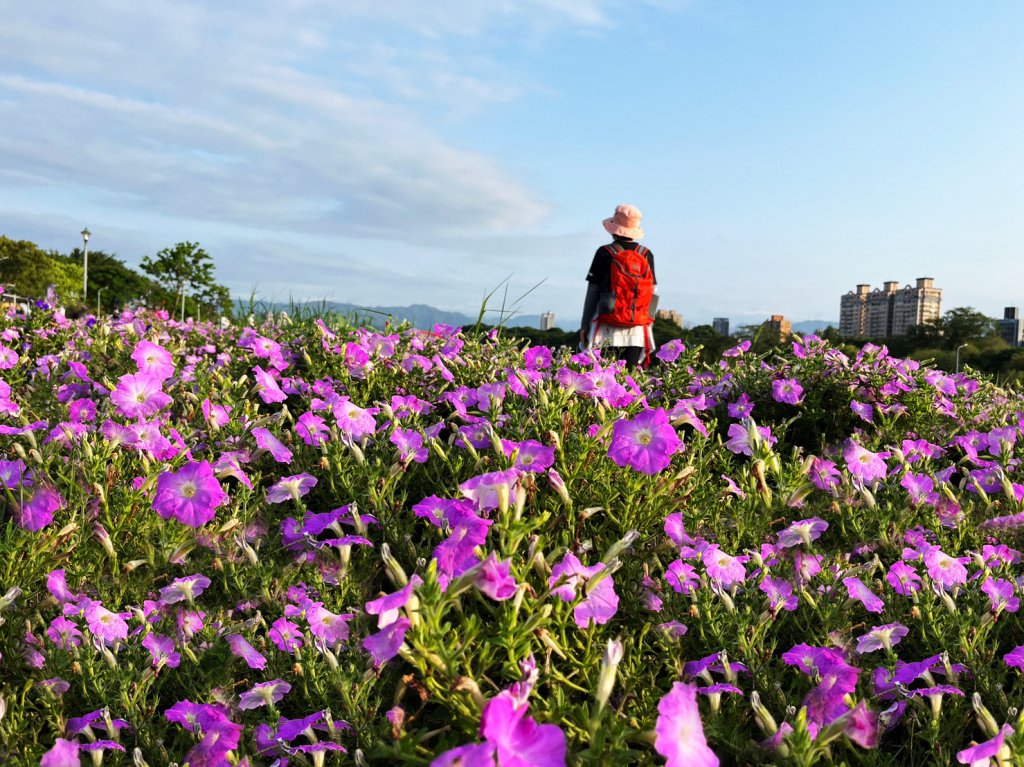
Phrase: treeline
{"type": "Point", "coordinates": [179, 279]}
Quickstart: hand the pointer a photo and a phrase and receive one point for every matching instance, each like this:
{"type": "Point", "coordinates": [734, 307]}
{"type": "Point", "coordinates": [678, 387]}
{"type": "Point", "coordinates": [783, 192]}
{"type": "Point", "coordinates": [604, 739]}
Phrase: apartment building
{"type": "Point", "coordinates": [889, 310]}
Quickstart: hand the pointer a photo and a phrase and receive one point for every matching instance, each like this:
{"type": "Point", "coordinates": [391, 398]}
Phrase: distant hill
{"type": "Point", "coordinates": [420, 316]}
{"type": "Point", "coordinates": [806, 327]}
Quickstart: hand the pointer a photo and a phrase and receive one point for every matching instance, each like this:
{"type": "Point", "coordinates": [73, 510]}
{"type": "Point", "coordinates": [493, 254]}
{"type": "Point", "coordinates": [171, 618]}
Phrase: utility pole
{"type": "Point", "coordinates": [85, 262]}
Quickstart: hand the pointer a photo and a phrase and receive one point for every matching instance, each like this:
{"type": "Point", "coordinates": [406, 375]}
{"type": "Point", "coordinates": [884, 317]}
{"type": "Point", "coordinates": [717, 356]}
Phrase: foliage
{"type": "Point", "coordinates": [737, 570]}
{"type": "Point", "coordinates": [187, 270]}
{"type": "Point", "coordinates": [32, 270]}
{"type": "Point", "coordinates": [119, 283]}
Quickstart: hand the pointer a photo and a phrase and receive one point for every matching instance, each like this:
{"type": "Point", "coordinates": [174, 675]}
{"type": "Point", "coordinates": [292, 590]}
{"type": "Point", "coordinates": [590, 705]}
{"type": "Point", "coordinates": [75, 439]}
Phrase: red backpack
{"type": "Point", "coordinates": [632, 285]}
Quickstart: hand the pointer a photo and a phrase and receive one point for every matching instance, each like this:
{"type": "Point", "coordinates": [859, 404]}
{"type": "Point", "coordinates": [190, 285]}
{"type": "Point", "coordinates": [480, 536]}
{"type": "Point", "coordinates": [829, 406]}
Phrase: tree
{"type": "Point", "coordinates": [111, 282]}
{"type": "Point", "coordinates": [185, 273]}
{"type": "Point", "coordinates": [31, 270]}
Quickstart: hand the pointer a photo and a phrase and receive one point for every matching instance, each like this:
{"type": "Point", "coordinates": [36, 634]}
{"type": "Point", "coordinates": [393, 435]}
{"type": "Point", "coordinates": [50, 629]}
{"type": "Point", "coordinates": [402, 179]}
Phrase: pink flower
{"type": "Point", "coordinates": [983, 753]}
{"type": "Point", "coordinates": [153, 360]}
{"type": "Point", "coordinates": [291, 488]}
{"type": "Point", "coordinates": [488, 490]}
{"type": "Point", "coordinates": [646, 443]}
{"type": "Point", "coordinates": [724, 568]}
{"type": "Point", "coordinates": [182, 589]}
{"type": "Point", "coordinates": [245, 651]}
{"type": "Point", "coordinates": [863, 463]}
{"type": "Point", "coordinates": [787, 390]}
{"type": "Point", "coordinates": [599, 604]}
{"type": "Point", "coordinates": [679, 732]}
{"type": "Point", "coordinates": [267, 387]}
{"type": "Point", "coordinates": [64, 753]}
{"type": "Point", "coordinates": [264, 694]}
{"type": "Point", "coordinates": [285, 635]}
{"type": "Point", "coordinates": [494, 579]}
{"type": "Point", "coordinates": [161, 650]}
{"type": "Point", "coordinates": [189, 495]}
{"type": "Point", "coordinates": [517, 740]}
{"type": "Point", "coordinates": [881, 637]}
{"type": "Point", "coordinates": [945, 570]}
{"type": "Point", "coordinates": [267, 441]}
{"type": "Point", "coordinates": [106, 625]}
{"type": "Point", "coordinates": [328, 626]}
{"type": "Point", "coordinates": [859, 592]}
{"type": "Point", "coordinates": [37, 512]}
{"type": "Point", "coordinates": [802, 532]}
{"type": "Point", "coordinates": [903, 578]}
{"type": "Point", "coordinates": [353, 420]}
{"type": "Point", "coordinates": [140, 395]}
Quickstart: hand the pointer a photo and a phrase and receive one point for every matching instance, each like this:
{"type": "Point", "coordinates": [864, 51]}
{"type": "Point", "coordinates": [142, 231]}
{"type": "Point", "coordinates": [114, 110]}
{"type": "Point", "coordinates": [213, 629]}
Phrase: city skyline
{"type": "Point", "coordinates": [402, 152]}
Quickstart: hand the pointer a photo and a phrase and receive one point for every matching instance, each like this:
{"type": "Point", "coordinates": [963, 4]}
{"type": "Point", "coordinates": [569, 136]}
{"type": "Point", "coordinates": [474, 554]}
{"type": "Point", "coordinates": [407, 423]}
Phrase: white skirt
{"type": "Point", "coordinates": [603, 335]}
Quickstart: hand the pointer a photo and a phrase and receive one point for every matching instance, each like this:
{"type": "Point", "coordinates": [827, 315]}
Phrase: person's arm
{"type": "Point", "coordinates": [650, 260]}
{"type": "Point", "coordinates": [589, 305]}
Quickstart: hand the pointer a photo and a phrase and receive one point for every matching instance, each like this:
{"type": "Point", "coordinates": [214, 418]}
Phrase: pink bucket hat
{"type": "Point", "coordinates": [625, 223]}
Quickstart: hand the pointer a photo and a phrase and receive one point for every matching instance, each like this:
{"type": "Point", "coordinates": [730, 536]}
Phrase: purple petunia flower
{"type": "Point", "coordinates": [161, 650]}
{"type": "Point", "coordinates": [863, 463]}
{"type": "Point", "coordinates": [802, 532]}
{"type": "Point", "coordinates": [267, 441]}
{"type": "Point", "coordinates": [140, 395]}
{"type": "Point", "coordinates": [494, 579]}
{"type": "Point", "coordinates": [264, 694]}
{"type": "Point", "coordinates": [291, 488]}
{"type": "Point", "coordinates": [153, 360]}
{"type": "Point", "coordinates": [242, 649]}
{"type": "Point", "coordinates": [285, 635]}
{"type": "Point", "coordinates": [679, 732]}
{"type": "Point", "coordinates": [645, 443]}
{"type": "Point", "coordinates": [63, 753]}
{"type": "Point", "coordinates": [190, 495]}
{"type": "Point", "coordinates": [385, 644]}
{"type": "Point", "coordinates": [600, 602]}
{"type": "Point", "coordinates": [881, 637]}
{"type": "Point", "coordinates": [861, 593]}
{"type": "Point", "coordinates": [983, 753]}
{"type": "Point", "coordinates": [37, 512]}
{"type": "Point", "coordinates": [183, 589]}
{"type": "Point", "coordinates": [788, 391]}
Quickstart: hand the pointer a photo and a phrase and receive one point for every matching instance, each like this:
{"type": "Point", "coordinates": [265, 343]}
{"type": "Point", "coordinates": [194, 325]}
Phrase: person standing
{"type": "Point", "coordinates": [621, 293]}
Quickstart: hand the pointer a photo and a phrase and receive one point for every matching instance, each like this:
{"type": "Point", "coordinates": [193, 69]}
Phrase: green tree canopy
{"type": "Point", "coordinates": [31, 270]}
{"type": "Point", "coordinates": [187, 269]}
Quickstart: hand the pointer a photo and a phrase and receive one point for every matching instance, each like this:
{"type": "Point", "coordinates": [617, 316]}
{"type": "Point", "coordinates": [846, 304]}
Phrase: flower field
{"type": "Point", "coordinates": [290, 542]}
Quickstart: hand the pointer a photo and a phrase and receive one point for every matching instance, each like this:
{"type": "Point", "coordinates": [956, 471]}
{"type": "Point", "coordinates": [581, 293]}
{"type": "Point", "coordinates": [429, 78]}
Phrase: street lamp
{"type": "Point", "coordinates": [85, 262]}
{"type": "Point", "coordinates": [961, 346]}
{"type": "Point", "coordinates": [99, 295]}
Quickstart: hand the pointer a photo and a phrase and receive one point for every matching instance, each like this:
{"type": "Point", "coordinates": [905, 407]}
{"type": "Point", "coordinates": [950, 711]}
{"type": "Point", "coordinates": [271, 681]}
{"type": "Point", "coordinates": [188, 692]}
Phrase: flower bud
{"type": "Point", "coordinates": [392, 567]}
{"type": "Point", "coordinates": [609, 667]}
{"type": "Point", "coordinates": [103, 537]}
{"type": "Point", "coordinates": [986, 721]}
{"type": "Point", "coordinates": [7, 601]}
{"type": "Point", "coordinates": [556, 482]}
{"type": "Point", "coordinates": [762, 715]}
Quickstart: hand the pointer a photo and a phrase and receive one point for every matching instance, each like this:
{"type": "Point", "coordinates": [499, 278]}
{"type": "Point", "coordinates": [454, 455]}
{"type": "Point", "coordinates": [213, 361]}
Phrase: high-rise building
{"type": "Point", "coordinates": [780, 325]}
{"type": "Point", "coordinates": [721, 325]}
{"type": "Point", "coordinates": [853, 312]}
{"type": "Point", "coordinates": [547, 321]}
{"type": "Point", "coordinates": [1010, 326]}
{"type": "Point", "coordinates": [889, 310]}
{"type": "Point", "coordinates": [671, 315]}
{"type": "Point", "coordinates": [915, 305]}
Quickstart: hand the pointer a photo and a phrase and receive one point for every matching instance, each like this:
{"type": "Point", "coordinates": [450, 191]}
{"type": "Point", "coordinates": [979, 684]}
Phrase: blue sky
{"type": "Point", "coordinates": [391, 152]}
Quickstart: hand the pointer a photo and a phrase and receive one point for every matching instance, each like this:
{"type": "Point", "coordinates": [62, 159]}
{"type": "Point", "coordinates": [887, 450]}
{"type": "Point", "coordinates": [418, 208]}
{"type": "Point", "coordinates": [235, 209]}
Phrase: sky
{"type": "Point", "coordinates": [389, 152]}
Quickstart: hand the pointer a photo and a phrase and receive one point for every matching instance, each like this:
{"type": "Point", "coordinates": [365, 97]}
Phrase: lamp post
{"type": "Point", "coordinates": [99, 295]}
{"type": "Point", "coordinates": [961, 346]}
{"type": "Point", "coordinates": [85, 262]}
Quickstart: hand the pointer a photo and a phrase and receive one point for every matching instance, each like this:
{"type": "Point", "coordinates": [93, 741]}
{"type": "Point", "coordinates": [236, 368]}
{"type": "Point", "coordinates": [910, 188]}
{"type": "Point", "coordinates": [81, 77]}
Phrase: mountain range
{"type": "Point", "coordinates": [424, 316]}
